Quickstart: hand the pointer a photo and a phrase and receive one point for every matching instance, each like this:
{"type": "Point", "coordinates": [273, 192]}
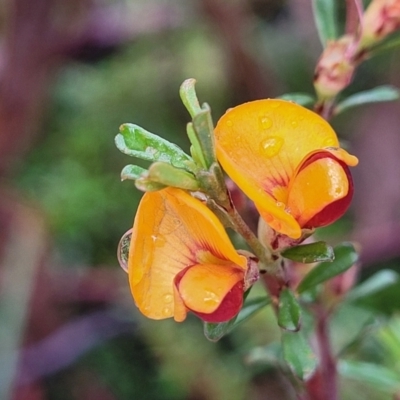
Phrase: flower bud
{"type": "Point", "coordinates": [335, 68]}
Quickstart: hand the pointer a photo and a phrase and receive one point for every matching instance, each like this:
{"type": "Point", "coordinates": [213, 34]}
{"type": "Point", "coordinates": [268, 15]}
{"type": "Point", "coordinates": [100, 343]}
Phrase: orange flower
{"type": "Point", "coordinates": [288, 161]}
{"type": "Point", "coordinates": [181, 259]}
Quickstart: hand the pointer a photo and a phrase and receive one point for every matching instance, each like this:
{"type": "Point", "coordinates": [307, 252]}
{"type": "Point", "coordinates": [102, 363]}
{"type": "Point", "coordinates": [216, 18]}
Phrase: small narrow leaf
{"type": "Point", "coordinates": [204, 129]}
{"type": "Point", "coordinates": [377, 376]}
{"type": "Point", "coordinates": [376, 95]}
{"type": "Point", "coordinates": [137, 142]}
{"type": "Point", "coordinates": [215, 332]}
{"type": "Point", "coordinates": [170, 176]}
{"type": "Point", "coordinates": [195, 149]}
{"type": "Point", "coordinates": [374, 284]}
{"type": "Point", "coordinates": [289, 312]}
{"type": "Point", "coordinates": [298, 354]}
{"type": "Point", "coordinates": [132, 172]}
{"type": "Point", "coordinates": [391, 42]}
{"type": "Point", "coordinates": [304, 99]}
{"type": "Point", "coordinates": [325, 16]}
{"type": "Point", "coordinates": [309, 253]}
{"type": "Point", "coordinates": [345, 257]}
{"type": "Point", "coordinates": [146, 185]}
{"type": "Point", "coordinates": [189, 98]}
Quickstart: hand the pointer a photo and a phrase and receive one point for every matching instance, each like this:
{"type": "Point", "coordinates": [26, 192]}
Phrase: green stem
{"type": "Point", "coordinates": [263, 254]}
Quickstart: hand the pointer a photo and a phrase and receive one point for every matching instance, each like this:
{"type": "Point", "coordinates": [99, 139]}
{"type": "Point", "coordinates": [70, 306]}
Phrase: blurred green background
{"type": "Point", "coordinates": [70, 74]}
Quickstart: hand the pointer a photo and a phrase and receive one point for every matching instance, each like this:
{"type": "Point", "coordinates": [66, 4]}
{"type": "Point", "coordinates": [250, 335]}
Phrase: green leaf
{"type": "Point", "coordinates": [204, 129]}
{"type": "Point", "coordinates": [304, 99]}
{"type": "Point", "coordinates": [170, 176]}
{"type": "Point", "coordinates": [309, 253]}
{"type": "Point", "coordinates": [391, 42]}
{"type": "Point", "coordinates": [298, 354]}
{"type": "Point", "coordinates": [195, 149]}
{"type": "Point", "coordinates": [189, 98]}
{"type": "Point", "coordinates": [348, 324]}
{"type": "Point", "coordinates": [376, 95]}
{"type": "Point", "coordinates": [215, 332]}
{"type": "Point", "coordinates": [325, 16]}
{"type": "Point", "coordinates": [374, 284]}
{"type": "Point", "coordinates": [345, 257]}
{"type": "Point", "coordinates": [132, 172]}
{"type": "Point", "coordinates": [289, 312]}
{"type": "Point", "coordinates": [377, 376]}
{"type": "Point", "coordinates": [146, 185]}
{"type": "Point", "coordinates": [137, 142]}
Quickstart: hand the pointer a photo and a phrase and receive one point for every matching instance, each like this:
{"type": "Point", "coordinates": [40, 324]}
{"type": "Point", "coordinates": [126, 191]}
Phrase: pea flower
{"type": "Point", "coordinates": [181, 260]}
{"type": "Point", "coordinates": [287, 160]}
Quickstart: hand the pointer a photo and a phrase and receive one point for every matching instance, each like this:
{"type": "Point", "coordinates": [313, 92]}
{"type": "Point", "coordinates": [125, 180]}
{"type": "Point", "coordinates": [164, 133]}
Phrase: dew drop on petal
{"type": "Point", "coordinates": [229, 123]}
{"type": "Point", "coordinates": [123, 250]}
{"type": "Point", "coordinates": [271, 146]}
{"type": "Point", "coordinates": [166, 311]}
{"type": "Point", "coordinates": [265, 122]}
{"type": "Point", "coordinates": [211, 298]}
{"type": "Point", "coordinates": [167, 298]}
{"type": "Point", "coordinates": [280, 204]}
{"type": "Point", "coordinates": [159, 241]}
{"type": "Point", "coordinates": [294, 123]}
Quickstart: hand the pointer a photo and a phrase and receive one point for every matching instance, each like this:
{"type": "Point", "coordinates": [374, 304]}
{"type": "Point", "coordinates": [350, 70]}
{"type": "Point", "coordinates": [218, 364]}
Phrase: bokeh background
{"type": "Point", "coordinates": [70, 73]}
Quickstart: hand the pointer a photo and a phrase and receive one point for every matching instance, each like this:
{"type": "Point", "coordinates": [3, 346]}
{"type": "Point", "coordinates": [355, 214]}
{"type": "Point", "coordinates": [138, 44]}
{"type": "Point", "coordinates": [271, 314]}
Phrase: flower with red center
{"type": "Point", "coordinates": [181, 260]}
{"type": "Point", "coordinates": [287, 160]}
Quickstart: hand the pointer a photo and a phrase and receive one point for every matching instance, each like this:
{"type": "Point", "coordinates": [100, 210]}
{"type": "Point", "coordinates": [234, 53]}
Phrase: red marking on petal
{"type": "Point", "coordinates": [229, 308]}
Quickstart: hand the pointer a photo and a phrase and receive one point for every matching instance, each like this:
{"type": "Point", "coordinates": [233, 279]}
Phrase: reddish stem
{"type": "Point", "coordinates": [323, 385]}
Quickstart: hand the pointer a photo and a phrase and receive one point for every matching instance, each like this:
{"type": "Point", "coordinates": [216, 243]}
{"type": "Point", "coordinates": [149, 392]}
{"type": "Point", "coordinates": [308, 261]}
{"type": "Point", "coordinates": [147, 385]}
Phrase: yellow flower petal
{"type": "Point", "coordinates": [204, 286]}
{"type": "Point", "coordinates": [261, 143]}
{"type": "Point", "coordinates": [171, 231]}
{"type": "Point", "coordinates": [319, 184]}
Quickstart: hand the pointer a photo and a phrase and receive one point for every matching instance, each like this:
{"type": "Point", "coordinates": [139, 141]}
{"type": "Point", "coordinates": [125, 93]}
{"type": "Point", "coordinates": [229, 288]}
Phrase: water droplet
{"type": "Point", "coordinates": [167, 298]}
{"type": "Point", "coordinates": [265, 122]}
{"type": "Point", "coordinates": [268, 218]}
{"type": "Point", "coordinates": [229, 123]}
{"type": "Point", "coordinates": [271, 146]}
{"type": "Point", "coordinates": [280, 204]}
{"type": "Point", "coordinates": [123, 250]}
{"type": "Point", "coordinates": [294, 123]}
{"type": "Point", "coordinates": [211, 298]}
{"type": "Point", "coordinates": [278, 226]}
{"type": "Point", "coordinates": [339, 191]}
{"type": "Point", "coordinates": [166, 311]}
{"type": "Point", "coordinates": [275, 104]}
{"type": "Point", "coordinates": [159, 241]}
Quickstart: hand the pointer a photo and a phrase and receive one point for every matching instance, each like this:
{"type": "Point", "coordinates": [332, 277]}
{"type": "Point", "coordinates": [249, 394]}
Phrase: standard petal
{"type": "Point", "coordinates": [170, 229]}
{"type": "Point", "coordinates": [321, 191]}
{"type": "Point", "coordinates": [203, 287]}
